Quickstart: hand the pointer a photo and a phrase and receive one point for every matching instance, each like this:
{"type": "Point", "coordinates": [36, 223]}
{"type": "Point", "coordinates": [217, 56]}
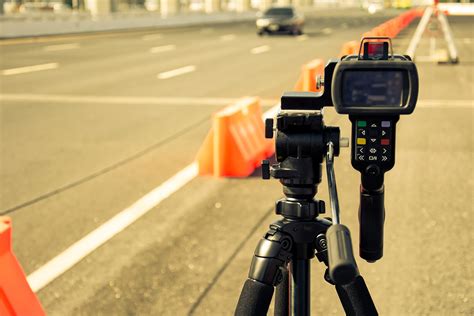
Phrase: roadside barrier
{"type": "Point", "coordinates": [390, 28]}
{"type": "Point", "coordinates": [236, 143]}
{"type": "Point", "coordinates": [16, 296]}
{"type": "Point", "coordinates": [350, 48]}
{"type": "Point", "coordinates": [307, 78]}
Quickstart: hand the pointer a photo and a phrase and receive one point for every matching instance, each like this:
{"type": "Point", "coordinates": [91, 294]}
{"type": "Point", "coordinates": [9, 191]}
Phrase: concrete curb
{"type": "Point", "coordinates": [56, 25]}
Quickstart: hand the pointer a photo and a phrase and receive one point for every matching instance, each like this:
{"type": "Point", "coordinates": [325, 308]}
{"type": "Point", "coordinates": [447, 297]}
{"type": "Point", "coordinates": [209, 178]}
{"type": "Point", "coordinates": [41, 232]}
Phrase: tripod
{"type": "Point", "coordinates": [282, 257]}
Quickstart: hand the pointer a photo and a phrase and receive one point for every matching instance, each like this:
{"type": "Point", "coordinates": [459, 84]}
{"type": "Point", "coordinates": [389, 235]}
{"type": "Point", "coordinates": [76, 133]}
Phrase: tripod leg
{"type": "Point", "coordinates": [282, 295]}
{"type": "Point", "coordinates": [265, 272]}
{"type": "Point", "coordinates": [355, 298]}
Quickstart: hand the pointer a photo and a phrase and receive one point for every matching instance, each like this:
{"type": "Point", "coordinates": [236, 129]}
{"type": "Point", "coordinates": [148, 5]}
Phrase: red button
{"type": "Point", "coordinates": [385, 141]}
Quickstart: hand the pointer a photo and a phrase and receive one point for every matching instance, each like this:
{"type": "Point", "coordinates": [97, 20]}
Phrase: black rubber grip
{"type": "Point", "coordinates": [341, 262]}
{"type": "Point", "coordinates": [254, 299]}
{"type": "Point", "coordinates": [371, 219]}
{"type": "Point", "coordinates": [355, 298]}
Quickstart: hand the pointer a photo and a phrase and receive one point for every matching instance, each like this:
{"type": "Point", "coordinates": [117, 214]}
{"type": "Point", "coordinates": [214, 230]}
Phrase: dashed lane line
{"type": "Point", "coordinates": [61, 47]}
{"type": "Point", "coordinates": [151, 37]}
{"type": "Point", "coordinates": [158, 101]}
{"type": "Point", "coordinates": [227, 37]}
{"type": "Point", "coordinates": [79, 250]}
{"type": "Point", "coordinates": [162, 49]}
{"type": "Point", "coordinates": [302, 38]}
{"type": "Point", "coordinates": [27, 69]}
{"type": "Point", "coordinates": [260, 49]}
{"type": "Point", "coordinates": [176, 72]}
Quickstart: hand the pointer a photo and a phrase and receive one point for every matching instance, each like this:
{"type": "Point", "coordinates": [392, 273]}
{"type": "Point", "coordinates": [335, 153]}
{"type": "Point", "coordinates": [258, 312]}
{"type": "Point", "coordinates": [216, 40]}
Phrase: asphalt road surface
{"type": "Point", "coordinates": [91, 123]}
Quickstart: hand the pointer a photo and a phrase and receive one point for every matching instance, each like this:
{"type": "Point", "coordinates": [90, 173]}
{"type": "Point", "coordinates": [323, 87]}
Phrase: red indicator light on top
{"type": "Point", "coordinates": [385, 141]}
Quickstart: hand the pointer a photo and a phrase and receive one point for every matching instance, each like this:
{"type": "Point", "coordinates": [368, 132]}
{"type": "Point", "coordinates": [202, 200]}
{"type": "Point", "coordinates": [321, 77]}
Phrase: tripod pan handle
{"type": "Point", "coordinates": [341, 262]}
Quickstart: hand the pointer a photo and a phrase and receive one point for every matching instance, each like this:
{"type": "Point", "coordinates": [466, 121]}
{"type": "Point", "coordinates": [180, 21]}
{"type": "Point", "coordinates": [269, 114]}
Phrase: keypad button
{"type": "Point", "coordinates": [361, 141]}
{"type": "Point", "coordinates": [385, 141]}
{"type": "Point", "coordinates": [385, 123]}
{"type": "Point", "coordinates": [361, 123]}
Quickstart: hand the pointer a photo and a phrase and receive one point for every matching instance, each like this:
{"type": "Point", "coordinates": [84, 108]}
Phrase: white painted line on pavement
{"type": "Point", "coordinates": [260, 49]}
{"type": "Point", "coordinates": [301, 38]}
{"type": "Point", "coordinates": [162, 49]}
{"type": "Point", "coordinates": [176, 72]}
{"type": "Point", "coordinates": [80, 249]}
{"type": "Point", "coordinates": [207, 30]}
{"type": "Point", "coordinates": [22, 70]}
{"type": "Point", "coordinates": [327, 30]}
{"type": "Point", "coordinates": [72, 255]}
{"type": "Point", "coordinates": [446, 104]}
{"type": "Point", "coordinates": [54, 48]}
{"type": "Point", "coordinates": [151, 37]}
{"type": "Point", "coordinates": [227, 37]}
{"type": "Point", "coordinates": [158, 101]}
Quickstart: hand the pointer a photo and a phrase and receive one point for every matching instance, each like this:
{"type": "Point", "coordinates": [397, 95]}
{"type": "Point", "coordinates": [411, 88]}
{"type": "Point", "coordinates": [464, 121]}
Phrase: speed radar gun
{"type": "Point", "coordinates": [373, 88]}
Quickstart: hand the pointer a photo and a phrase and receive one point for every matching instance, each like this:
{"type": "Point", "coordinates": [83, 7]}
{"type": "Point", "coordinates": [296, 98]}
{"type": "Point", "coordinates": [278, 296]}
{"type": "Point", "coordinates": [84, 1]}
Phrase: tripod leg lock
{"type": "Point", "coordinates": [272, 254]}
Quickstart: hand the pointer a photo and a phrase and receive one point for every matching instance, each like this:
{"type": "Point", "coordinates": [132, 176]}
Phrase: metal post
{"type": "Point", "coordinates": [300, 274]}
{"type": "Point", "coordinates": [419, 32]}
{"type": "Point", "coordinates": [448, 36]}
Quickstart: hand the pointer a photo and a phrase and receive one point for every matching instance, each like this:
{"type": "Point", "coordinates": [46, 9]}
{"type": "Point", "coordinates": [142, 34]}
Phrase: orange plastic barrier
{"type": "Point", "coordinates": [350, 48]}
{"type": "Point", "coordinates": [236, 144]}
{"type": "Point", "coordinates": [16, 296]}
{"type": "Point", "coordinates": [392, 27]}
{"type": "Point", "coordinates": [309, 72]}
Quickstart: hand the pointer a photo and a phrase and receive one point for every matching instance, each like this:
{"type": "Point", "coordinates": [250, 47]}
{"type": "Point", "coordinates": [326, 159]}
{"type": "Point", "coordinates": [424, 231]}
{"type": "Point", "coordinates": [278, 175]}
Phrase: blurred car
{"type": "Point", "coordinates": [280, 19]}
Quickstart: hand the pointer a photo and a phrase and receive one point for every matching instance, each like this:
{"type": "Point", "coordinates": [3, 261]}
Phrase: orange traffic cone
{"type": "Point", "coordinates": [236, 143]}
{"type": "Point", "coordinates": [16, 296]}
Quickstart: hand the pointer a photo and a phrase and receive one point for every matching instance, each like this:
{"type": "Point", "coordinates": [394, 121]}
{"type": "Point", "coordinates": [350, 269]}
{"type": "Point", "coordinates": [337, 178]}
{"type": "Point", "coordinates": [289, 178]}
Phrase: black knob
{"type": "Point", "coordinates": [269, 128]}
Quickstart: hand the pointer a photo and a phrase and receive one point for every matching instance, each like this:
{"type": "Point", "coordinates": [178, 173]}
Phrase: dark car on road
{"type": "Point", "coordinates": [280, 19]}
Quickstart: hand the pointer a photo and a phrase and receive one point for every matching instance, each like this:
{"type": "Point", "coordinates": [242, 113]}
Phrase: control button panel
{"type": "Point", "coordinates": [374, 141]}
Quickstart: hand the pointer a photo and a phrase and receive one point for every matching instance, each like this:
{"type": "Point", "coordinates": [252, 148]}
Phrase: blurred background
{"type": "Point", "coordinates": [102, 102]}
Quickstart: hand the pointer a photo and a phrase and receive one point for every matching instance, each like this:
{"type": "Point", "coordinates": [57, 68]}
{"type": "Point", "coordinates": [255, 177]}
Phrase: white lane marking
{"type": "Point", "coordinates": [260, 49]}
{"type": "Point", "coordinates": [72, 255]}
{"type": "Point", "coordinates": [23, 70]}
{"type": "Point", "coordinates": [207, 30]}
{"type": "Point", "coordinates": [162, 49]}
{"type": "Point", "coordinates": [158, 101]}
{"type": "Point", "coordinates": [151, 37]}
{"type": "Point", "coordinates": [301, 38]}
{"type": "Point", "coordinates": [83, 247]}
{"type": "Point", "coordinates": [327, 30]}
{"type": "Point", "coordinates": [54, 48]}
{"type": "Point", "coordinates": [176, 72]}
{"type": "Point", "coordinates": [227, 37]}
{"type": "Point", "coordinates": [447, 104]}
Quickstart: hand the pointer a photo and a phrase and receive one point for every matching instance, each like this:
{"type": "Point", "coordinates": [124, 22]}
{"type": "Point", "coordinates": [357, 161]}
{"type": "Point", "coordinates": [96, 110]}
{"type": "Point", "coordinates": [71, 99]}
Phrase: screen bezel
{"type": "Point", "coordinates": [410, 93]}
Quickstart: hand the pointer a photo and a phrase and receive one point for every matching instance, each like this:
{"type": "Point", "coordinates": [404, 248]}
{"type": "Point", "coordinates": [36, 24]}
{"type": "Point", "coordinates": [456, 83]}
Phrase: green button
{"type": "Point", "coordinates": [361, 123]}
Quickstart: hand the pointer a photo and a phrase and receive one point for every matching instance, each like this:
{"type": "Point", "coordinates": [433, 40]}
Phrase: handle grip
{"type": "Point", "coordinates": [341, 262]}
{"type": "Point", "coordinates": [371, 220]}
{"type": "Point", "coordinates": [355, 298]}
